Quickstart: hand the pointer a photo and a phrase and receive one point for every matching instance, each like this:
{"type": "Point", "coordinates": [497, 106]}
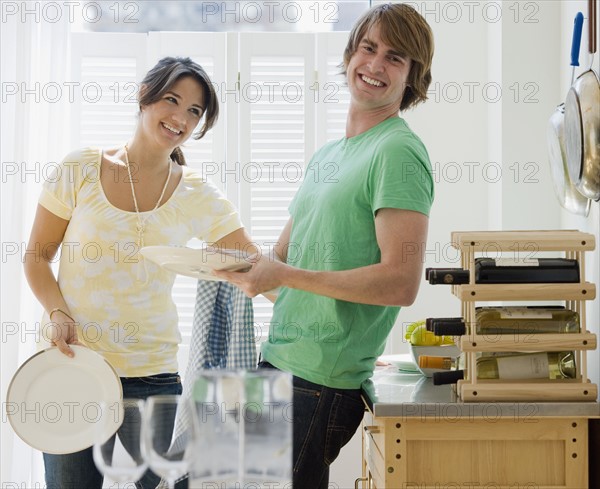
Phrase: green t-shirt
{"type": "Point", "coordinates": [327, 341]}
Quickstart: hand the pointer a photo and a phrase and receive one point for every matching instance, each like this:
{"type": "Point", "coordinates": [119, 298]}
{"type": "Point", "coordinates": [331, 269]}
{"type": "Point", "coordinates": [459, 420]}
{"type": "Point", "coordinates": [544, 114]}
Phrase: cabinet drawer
{"type": "Point", "coordinates": [374, 460]}
{"type": "Point", "coordinates": [374, 429]}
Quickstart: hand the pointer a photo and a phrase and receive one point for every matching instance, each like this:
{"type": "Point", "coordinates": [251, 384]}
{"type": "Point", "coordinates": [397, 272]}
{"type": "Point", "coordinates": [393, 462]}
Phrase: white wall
{"type": "Point", "coordinates": [528, 50]}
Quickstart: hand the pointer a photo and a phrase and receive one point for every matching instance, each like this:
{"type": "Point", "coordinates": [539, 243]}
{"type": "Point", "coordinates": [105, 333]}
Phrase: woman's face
{"type": "Point", "coordinates": [171, 120]}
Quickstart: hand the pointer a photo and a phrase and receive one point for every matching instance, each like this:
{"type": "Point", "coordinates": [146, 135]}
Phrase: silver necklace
{"type": "Point", "coordinates": [141, 222]}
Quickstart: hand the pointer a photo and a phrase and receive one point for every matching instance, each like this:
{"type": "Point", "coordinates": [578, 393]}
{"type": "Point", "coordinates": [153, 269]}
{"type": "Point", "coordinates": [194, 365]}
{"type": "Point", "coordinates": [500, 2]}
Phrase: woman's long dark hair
{"type": "Point", "coordinates": [161, 79]}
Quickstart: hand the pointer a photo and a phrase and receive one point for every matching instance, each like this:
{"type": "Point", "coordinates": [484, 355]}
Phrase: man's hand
{"type": "Point", "coordinates": [266, 275]}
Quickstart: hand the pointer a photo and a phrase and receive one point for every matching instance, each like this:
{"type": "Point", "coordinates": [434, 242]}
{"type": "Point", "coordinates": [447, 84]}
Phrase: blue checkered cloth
{"type": "Point", "coordinates": [223, 329]}
{"type": "Point", "coordinates": [222, 338]}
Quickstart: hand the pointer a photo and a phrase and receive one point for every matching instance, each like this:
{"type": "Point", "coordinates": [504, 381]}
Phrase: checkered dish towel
{"type": "Point", "coordinates": [223, 330]}
{"type": "Point", "coordinates": [222, 338]}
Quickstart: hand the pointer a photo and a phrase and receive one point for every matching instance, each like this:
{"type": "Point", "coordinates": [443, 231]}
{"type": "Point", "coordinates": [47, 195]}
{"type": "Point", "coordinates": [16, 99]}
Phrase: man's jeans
{"type": "Point", "coordinates": [325, 419]}
{"type": "Point", "coordinates": [78, 471]}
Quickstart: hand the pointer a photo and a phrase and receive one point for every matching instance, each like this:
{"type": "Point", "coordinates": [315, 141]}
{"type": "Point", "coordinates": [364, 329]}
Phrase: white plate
{"type": "Point", "coordinates": [196, 263]}
{"type": "Point", "coordinates": [403, 361]}
{"type": "Point", "coordinates": [53, 401]}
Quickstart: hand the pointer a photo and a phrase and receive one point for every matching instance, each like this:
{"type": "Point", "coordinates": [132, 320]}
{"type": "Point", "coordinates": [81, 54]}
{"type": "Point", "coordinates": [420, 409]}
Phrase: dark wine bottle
{"type": "Point", "coordinates": [431, 322]}
{"type": "Point", "coordinates": [448, 276]}
{"type": "Point", "coordinates": [508, 271]}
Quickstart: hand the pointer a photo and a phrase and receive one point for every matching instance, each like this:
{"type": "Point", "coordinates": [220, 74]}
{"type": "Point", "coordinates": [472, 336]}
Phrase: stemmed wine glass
{"type": "Point", "coordinates": [170, 458]}
{"type": "Point", "coordinates": [120, 461]}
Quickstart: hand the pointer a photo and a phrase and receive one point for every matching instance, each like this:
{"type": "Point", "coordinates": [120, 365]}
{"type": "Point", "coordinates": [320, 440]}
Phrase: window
{"type": "Point", "coordinates": [281, 97]}
{"type": "Point", "coordinates": [220, 16]}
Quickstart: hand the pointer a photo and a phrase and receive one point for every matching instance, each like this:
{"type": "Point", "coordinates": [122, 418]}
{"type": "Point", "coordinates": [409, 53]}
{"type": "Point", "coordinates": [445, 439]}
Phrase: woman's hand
{"type": "Point", "coordinates": [62, 332]}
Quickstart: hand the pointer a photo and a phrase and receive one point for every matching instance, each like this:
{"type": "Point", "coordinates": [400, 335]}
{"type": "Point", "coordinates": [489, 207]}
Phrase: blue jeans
{"type": "Point", "coordinates": [78, 471]}
{"type": "Point", "coordinates": [325, 419]}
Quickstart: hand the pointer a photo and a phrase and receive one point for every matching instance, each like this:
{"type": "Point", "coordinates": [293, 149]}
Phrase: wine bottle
{"type": "Point", "coordinates": [431, 322]}
{"type": "Point", "coordinates": [454, 368]}
{"type": "Point", "coordinates": [507, 271]}
{"type": "Point", "coordinates": [428, 271]}
{"type": "Point", "coordinates": [510, 320]}
{"type": "Point", "coordinates": [447, 326]}
{"type": "Point", "coordinates": [543, 365]}
{"type": "Point", "coordinates": [449, 276]}
{"type": "Point", "coordinates": [511, 366]}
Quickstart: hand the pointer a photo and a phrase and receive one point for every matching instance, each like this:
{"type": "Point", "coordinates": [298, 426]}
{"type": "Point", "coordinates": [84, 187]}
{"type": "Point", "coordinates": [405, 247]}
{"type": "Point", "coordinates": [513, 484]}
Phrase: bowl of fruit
{"type": "Point", "coordinates": [425, 343]}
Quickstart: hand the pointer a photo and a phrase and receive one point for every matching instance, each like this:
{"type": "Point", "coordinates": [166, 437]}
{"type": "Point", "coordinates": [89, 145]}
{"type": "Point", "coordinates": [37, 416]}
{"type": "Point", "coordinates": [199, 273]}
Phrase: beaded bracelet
{"type": "Point", "coordinates": [58, 309]}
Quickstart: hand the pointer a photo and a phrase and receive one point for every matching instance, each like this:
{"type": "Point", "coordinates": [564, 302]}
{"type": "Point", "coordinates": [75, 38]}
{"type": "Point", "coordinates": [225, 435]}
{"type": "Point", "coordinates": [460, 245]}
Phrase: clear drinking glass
{"type": "Point", "coordinates": [116, 449]}
{"type": "Point", "coordinates": [167, 457]}
{"type": "Point", "coordinates": [268, 420]}
{"type": "Point", "coordinates": [243, 422]}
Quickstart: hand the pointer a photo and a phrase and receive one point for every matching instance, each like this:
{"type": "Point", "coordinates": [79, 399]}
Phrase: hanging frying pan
{"type": "Point", "coordinates": [582, 124]}
{"type": "Point", "coordinates": [568, 196]}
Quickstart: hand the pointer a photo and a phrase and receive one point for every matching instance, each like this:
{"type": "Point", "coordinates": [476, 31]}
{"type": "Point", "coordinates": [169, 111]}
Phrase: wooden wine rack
{"type": "Point", "coordinates": [573, 244]}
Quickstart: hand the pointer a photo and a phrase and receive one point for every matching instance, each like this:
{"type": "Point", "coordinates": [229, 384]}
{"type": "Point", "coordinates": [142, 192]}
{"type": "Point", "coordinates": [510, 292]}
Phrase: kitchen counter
{"type": "Point", "coordinates": [392, 393]}
{"type": "Point", "coordinates": [419, 435]}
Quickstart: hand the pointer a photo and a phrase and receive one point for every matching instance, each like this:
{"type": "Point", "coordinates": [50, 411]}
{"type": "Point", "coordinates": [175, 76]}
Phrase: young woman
{"type": "Point", "coordinates": [103, 206]}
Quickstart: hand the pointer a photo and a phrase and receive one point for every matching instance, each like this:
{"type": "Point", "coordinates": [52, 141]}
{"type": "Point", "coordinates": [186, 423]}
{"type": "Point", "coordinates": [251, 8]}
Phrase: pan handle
{"type": "Point", "coordinates": [592, 25]}
{"type": "Point", "coordinates": [576, 43]}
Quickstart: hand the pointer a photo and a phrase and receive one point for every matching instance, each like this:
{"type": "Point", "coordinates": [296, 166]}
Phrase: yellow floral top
{"type": "Point", "coordinates": [121, 301]}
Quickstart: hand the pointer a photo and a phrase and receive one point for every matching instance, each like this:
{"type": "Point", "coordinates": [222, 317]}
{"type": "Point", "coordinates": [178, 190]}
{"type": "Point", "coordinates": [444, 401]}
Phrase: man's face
{"type": "Point", "coordinates": [377, 74]}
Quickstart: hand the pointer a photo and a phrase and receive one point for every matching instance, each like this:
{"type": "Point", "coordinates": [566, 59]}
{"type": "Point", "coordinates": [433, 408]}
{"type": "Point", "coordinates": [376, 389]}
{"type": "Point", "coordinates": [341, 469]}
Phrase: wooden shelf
{"type": "Point", "coordinates": [573, 244]}
{"type": "Point", "coordinates": [490, 391]}
{"type": "Point", "coordinates": [525, 292]}
{"type": "Point", "coordinates": [523, 241]}
{"type": "Point", "coordinates": [529, 342]}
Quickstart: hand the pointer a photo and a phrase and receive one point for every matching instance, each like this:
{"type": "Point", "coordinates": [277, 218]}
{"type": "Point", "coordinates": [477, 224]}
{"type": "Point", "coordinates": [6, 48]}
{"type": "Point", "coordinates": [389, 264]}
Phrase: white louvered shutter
{"type": "Point", "coordinates": [106, 68]}
{"type": "Point", "coordinates": [276, 139]}
{"type": "Point", "coordinates": [334, 97]}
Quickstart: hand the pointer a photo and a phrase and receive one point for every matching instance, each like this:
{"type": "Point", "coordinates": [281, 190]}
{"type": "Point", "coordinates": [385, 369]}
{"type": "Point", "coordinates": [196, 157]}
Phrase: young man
{"type": "Point", "coordinates": [352, 251]}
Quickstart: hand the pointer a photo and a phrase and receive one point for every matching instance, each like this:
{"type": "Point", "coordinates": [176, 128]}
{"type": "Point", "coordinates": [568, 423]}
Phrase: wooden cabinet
{"type": "Point", "coordinates": [491, 452]}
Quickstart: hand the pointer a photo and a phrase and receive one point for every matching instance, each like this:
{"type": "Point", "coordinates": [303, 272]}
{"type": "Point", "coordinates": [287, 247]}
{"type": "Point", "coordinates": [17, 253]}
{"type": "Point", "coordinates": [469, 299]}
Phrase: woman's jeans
{"type": "Point", "coordinates": [325, 419]}
{"type": "Point", "coordinates": [78, 471]}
